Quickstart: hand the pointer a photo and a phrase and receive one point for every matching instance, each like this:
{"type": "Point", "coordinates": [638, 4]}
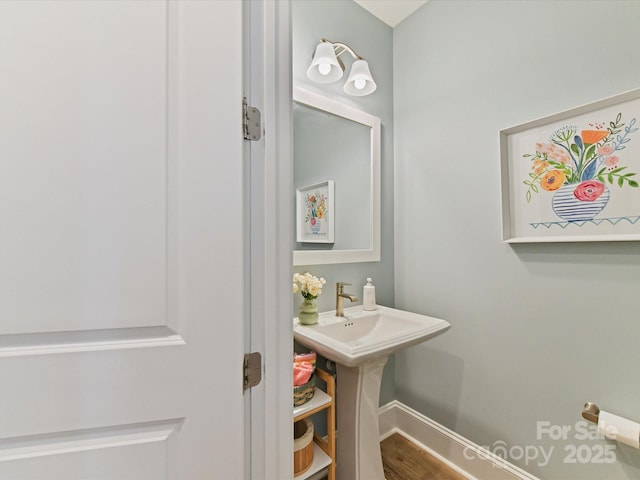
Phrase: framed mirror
{"type": "Point", "coordinates": [339, 145]}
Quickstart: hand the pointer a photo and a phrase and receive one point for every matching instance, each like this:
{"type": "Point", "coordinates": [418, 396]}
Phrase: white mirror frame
{"type": "Point", "coordinates": [322, 257]}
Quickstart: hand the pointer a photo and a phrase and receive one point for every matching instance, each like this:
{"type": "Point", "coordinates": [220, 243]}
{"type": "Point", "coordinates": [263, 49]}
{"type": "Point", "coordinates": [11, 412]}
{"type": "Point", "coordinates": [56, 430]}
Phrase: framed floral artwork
{"type": "Point", "coordinates": [314, 213]}
{"type": "Point", "coordinates": [573, 176]}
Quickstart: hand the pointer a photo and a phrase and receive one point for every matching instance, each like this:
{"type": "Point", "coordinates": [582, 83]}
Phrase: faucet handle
{"type": "Point", "coordinates": [340, 286]}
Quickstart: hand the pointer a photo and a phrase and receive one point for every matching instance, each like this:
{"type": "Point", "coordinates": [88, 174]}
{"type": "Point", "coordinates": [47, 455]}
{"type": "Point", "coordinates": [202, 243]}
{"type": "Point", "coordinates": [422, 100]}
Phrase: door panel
{"type": "Point", "coordinates": [121, 261]}
{"type": "Point", "coordinates": [99, 453]}
{"type": "Point", "coordinates": [84, 168]}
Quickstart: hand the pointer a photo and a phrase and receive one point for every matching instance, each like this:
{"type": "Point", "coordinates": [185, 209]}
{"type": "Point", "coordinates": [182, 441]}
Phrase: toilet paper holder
{"type": "Point", "coordinates": [590, 412]}
{"type": "Point", "coordinates": [613, 427]}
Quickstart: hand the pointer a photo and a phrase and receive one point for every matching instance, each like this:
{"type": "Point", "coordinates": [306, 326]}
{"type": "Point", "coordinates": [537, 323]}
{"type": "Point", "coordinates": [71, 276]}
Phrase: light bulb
{"type": "Point", "coordinates": [359, 83]}
{"type": "Point", "coordinates": [324, 68]}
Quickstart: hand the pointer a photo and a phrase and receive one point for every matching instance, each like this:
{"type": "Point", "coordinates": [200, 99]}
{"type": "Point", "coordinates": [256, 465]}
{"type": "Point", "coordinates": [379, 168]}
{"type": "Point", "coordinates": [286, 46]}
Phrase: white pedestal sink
{"type": "Point", "coordinates": [360, 344]}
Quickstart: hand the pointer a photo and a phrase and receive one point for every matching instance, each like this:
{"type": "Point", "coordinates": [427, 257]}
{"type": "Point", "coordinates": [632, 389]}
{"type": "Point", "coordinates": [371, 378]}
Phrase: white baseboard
{"type": "Point", "coordinates": [461, 454]}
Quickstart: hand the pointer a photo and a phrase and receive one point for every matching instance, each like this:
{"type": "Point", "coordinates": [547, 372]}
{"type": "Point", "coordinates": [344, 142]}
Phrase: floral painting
{"type": "Point", "coordinates": [315, 208]}
{"type": "Point", "coordinates": [575, 178]}
{"type": "Point", "coordinates": [315, 213]}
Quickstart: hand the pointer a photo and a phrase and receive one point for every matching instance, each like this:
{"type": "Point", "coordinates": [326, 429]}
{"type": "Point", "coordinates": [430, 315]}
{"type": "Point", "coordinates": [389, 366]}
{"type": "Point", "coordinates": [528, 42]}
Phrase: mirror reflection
{"type": "Point", "coordinates": [336, 143]}
{"type": "Point", "coordinates": [332, 148]}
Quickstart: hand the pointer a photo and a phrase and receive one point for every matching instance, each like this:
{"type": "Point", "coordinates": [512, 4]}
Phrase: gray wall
{"type": "Point", "coordinates": [537, 329]}
{"type": "Point", "coordinates": [345, 21]}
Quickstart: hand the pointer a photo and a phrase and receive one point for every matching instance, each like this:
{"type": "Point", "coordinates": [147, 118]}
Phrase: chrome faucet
{"type": "Point", "coordinates": [340, 296]}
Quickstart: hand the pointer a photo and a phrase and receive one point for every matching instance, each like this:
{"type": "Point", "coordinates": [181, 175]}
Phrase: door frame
{"type": "Point", "coordinates": [269, 227]}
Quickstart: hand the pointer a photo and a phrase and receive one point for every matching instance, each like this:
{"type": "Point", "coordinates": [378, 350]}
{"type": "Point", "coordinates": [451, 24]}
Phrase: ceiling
{"type": "Point", "coordinates": [391, 12]}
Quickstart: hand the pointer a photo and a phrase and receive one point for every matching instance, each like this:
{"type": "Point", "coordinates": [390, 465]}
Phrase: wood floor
{"type": "Point", "coordinates": [403, 460]}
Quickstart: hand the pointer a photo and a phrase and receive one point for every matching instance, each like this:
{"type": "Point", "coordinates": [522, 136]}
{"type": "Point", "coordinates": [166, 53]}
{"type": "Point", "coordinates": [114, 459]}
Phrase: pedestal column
{"type": "Point", "coordinates": [358, 437]}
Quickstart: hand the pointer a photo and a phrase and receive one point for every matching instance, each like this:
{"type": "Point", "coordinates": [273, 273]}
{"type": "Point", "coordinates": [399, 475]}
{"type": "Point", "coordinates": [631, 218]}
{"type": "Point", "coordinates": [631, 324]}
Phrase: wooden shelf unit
{"type": "Point", "coordinates": [324, 456]}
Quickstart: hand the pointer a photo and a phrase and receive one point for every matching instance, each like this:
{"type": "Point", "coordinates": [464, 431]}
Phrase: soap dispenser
{"type": "Point", "coordinates": [369, 296]}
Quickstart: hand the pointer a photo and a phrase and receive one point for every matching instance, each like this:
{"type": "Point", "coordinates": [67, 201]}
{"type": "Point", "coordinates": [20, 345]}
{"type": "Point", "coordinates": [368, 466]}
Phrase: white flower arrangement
{"type": "Point", "coordinates": [308, 285]}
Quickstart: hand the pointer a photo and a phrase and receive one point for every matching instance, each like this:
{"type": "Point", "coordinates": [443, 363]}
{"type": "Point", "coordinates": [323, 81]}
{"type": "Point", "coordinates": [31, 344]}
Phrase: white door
{"type": "Point", "coordinates": [121, 245]}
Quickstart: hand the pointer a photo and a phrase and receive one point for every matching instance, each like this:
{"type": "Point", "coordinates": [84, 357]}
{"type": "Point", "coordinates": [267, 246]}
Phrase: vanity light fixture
{"type": "Point", "coordinates": [326, 67]}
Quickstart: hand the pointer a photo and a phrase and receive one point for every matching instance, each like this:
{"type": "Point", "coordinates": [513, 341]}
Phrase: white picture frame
{"type": "Point", "coordinates": [571, 176]}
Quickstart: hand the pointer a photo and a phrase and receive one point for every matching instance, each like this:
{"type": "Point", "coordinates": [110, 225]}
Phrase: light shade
{"type": "Point", "coordinates": [324, 66]}
{"type": "Point", "coordinates": [360, 81]}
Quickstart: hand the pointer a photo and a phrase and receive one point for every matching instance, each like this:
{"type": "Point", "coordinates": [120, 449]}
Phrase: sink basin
{"type": "Point", "coordinates": [360, 344]}
{"type": "Point", "coordinates": [364, 335]}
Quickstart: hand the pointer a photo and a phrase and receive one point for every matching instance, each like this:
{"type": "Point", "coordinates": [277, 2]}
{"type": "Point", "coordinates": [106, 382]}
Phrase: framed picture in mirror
{"type": "Point", "coordinates": [315, 213]}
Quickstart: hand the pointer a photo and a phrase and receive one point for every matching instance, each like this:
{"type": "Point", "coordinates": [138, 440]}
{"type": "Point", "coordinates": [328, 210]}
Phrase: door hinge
{"type": "Point", "coordinates": [251, 122]}
{"type": "Point", "coordinates": [252, 370]}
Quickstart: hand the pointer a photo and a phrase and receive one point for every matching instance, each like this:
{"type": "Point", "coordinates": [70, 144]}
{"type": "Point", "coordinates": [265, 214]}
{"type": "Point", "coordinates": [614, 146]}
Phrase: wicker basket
{"type": "Point", "coordinates": [302, 446]}
{"type": "Point", "coordinates": [303, 393]}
